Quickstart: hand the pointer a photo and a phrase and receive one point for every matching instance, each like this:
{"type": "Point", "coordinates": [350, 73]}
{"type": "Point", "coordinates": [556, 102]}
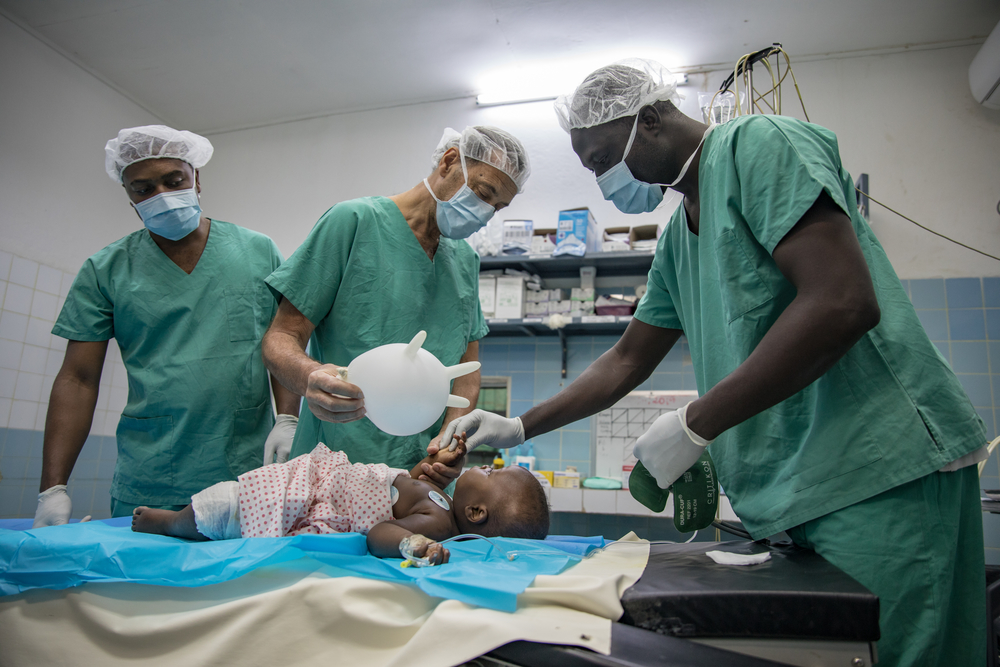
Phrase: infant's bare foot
{"type": "Point", "coordinates": [148, 520]}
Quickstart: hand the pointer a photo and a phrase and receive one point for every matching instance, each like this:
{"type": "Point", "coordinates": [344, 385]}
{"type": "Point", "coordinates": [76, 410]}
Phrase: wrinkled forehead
{"type": "Point", "coordinates": [492, 175]}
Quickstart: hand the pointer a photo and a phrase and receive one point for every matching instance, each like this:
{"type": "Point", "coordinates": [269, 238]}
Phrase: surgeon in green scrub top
{"type": "Point", "coordinates": [377, 270]}
{"type": "Point", "coordinates": [827, 410]}
{"type": "Point", "coordinates": [186, 301]}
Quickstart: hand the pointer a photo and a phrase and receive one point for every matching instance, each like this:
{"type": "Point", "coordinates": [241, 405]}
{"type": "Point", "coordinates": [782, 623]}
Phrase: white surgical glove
{"type": "Point", "coordinates": [669, 447]}
{"type": "Point", "coordinates": [484, 428]}
{"type": "Point", "coordinates": [279, 440]}
{"type": "Point", "coordinates": [54, 507]}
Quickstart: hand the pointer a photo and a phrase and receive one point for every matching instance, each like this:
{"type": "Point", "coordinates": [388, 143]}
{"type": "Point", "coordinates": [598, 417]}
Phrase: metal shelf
{"type": "Point", "coordinates": [593, 325]}
{"type": "Point", "coordinates": [629, 263]}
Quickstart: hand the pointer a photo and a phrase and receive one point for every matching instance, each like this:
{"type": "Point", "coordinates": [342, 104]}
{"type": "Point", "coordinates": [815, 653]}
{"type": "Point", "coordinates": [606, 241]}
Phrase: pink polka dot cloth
{"type": "Point", "coordinates": [316, 493]}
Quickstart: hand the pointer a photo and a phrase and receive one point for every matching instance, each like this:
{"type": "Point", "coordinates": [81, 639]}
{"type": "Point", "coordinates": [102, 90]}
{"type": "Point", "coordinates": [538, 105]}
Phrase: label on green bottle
{"type": "Point", "coordinates": [696, 493]}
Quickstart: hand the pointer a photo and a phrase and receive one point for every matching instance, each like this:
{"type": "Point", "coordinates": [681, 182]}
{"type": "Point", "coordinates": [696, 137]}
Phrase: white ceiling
{"type": "Point", "coordinates": [225, 64]}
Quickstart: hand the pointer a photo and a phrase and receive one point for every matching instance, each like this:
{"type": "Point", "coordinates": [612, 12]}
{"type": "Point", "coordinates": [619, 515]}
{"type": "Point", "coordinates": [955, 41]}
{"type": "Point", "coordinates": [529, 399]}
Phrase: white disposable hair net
{"type": "Point", "coordinates": [135, 144]}
{"type": "Point", "coordinates": [491, 145]}
{"type": "Point", "coordinates": [616, 91]}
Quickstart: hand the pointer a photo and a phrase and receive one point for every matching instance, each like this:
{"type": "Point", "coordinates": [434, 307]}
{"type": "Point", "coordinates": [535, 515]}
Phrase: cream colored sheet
{"type": "Point", "coordinates": [299, 614]}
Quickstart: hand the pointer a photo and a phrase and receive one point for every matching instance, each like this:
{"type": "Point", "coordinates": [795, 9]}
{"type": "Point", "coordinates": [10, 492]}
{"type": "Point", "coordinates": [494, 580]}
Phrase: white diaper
{"type": "Point", "coordinates": [217, 511]}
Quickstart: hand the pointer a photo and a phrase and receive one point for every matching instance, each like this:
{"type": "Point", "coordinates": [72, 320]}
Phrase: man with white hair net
{"type": "Point", "coordinates": [377, 270]}
{"type": "Point", "coordinates": [828, 411]}
{"type": "Point", "coordinates": [186, 301]}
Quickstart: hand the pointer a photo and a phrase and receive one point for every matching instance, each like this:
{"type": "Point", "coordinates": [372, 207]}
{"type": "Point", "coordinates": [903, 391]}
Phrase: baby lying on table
{"type": "Point", "coordinates": [322, 492]}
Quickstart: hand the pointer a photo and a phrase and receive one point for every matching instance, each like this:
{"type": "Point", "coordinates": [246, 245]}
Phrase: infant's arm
{"type": "Point", "coordinates": [384, 538]}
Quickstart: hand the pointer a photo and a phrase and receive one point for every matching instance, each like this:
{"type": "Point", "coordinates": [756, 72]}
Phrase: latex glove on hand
{"type": "Point", "coordinates": [54, 507]}
{"type": "Point", "coordinates": [669, 447]}
{"type": "Point", "coordinates": [279, 440]}
{"type": "Point", "coordinates": [484, 428]}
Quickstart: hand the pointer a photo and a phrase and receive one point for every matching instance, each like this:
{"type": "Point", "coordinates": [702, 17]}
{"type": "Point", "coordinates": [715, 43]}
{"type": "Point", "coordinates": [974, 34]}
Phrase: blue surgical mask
{"type": "Point", "coordinates": [629, 194]}
{"type": "Point", "coordinates": [172, 215]}
{"type": "Point", "coordinates": [465, 213]}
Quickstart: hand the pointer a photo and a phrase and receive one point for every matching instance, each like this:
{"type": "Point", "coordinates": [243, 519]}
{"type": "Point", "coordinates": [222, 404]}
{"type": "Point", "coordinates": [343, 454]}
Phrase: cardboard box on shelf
{"type": "Point", "coordinates": [536, 296]}
{"type": "Point", "coordinates": [643, 237]}
{"type": "Point", "coordinates": [582, 294]}
{"type": "Point", "coordinates": [543, 241]}
{"type": "Point", "coordinates": [588, 274]}
{"type": "Point", "coordinates": [488, 294]}
{"type": "Point", "coordinates": [558, 294]}
{"type": "Point", "coordinates": [615, 239]}
{"type": "Point", "coordinates": [516, 237]}
{"type": "Point", "coordinates": [560, 307]}
{"type": "Point", "coordinates": [536, 308]}
{"type": "Point", "coordinates": [565, 480]}
{"type": "Point", "coordinates": [577, 233]}
{"type": "Point", "coordinates": [510, 297]}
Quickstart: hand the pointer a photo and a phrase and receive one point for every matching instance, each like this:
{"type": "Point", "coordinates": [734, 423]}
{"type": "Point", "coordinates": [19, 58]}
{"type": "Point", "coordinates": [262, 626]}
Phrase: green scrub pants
{"type": "Point", "coordinates": [919, 548]}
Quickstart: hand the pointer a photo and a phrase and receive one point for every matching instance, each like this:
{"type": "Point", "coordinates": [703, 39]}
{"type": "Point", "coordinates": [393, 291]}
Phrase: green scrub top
{"type": "Point", "coordinates": [888, 412]}
{"type": "Point", "coordinates": [199, 407]}
{"type": "Point", "coordinates": [363, 279]}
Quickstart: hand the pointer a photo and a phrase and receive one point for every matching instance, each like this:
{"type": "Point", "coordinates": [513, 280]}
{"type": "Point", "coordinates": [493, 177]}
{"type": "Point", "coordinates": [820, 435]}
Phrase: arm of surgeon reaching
{"type": "Point", "coordinates": [67, 425]}
{"type": "Point", "coordinates": [329, 398]}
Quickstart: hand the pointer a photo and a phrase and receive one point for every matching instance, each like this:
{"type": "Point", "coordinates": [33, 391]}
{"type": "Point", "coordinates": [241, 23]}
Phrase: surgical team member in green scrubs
{"type": "Point", "coordinates": [377, 270]}
{"type": "Point", "coordinates": [186, 301]}
{"type": "Point", "coordinates": [827, 410]}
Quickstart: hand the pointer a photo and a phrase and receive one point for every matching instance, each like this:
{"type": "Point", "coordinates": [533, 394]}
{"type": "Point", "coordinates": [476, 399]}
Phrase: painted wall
{"type": "Point", "coordinates": [57, 205]}
{"type": "Point", "coordinates": [906, 119]}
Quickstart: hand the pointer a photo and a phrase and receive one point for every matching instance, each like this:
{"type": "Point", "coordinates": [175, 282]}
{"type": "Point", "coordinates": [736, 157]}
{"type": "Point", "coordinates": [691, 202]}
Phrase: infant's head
{"type": "Point", "coordinates": [501, 503]}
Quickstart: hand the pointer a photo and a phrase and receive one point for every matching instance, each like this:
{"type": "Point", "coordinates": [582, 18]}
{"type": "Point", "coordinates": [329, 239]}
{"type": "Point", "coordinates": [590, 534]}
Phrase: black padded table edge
{"type": "Point", "coordinates": [630, 647]}
{"type": "Point", "coordinates": [795, 595]}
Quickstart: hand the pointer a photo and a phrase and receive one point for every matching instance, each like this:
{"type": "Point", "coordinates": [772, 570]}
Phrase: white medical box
{"type": "Point", "coordinates": [510, 297]}
{"type": "Point", "coordinates": [488, 295]}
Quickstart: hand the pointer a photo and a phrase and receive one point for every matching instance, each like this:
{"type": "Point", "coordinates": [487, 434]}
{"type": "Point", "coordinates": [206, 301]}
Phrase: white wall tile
{"type": "Point", "coordinates": [111, 419]}
{"type": "Point", "coordinates": [567, 500]}
{"type": "Point", "coordinates": [53, 362]}
{"type": "Point", "coordinates": [8, 379]}
{"type": "Point", "coordinates": [33, 359]}
{"type": "Point", "coordinates": [67, 282]}
{"type": "Point", "coordinates": [47, 381]}
{"type": "Point", "coordinates": [4, 411]}
{"type": "Point", "coordinates": [22, 415]}
{"type": "Point", "coordinates": [43, 409]}
{"type": "Point", "coordinates": [28, 387]}
{"type": "Point", "coordinates": [120, 377]}
{"type": "Point", "coordinates": [18, 299]}
{"type": "Point", "coordinates": [5, 260]}
{"type": "Point", "coordinates": [23, 272]}
{"type": "Point", "coordinates": [44, 306]}
{"type": "Point", "coordinates": [117, 399]}
{"type": "Point", "coordinates": [626, 504]}
{"type": "Point", "coordinates": [49, 280]}
{"type": "Point", "coordinates": [13, 326]}
{"type": "Point", "coordinates": [3, 290]}
{"type": "Point", "coordinates": [97, 425]}
{"type": "Point", "coordinates": [103, 392]}
{"type": "Point", "coordinates": [10, 354]}
{"type": "Point", "coordinates": [598, 501]}
{"type": "Point", "coordinates": [57, 343]}
{"type": "Point", "coordinates": [38, 332]}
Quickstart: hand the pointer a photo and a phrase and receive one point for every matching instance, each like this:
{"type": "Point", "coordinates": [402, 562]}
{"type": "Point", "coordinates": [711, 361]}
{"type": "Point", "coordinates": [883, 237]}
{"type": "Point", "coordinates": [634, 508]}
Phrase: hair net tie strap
{"type": "Point", "coordinates": [147, 142]}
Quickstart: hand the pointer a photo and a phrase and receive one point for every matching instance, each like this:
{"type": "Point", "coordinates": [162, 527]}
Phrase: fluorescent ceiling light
{"type": "Point", "coordinates": [546, 80]}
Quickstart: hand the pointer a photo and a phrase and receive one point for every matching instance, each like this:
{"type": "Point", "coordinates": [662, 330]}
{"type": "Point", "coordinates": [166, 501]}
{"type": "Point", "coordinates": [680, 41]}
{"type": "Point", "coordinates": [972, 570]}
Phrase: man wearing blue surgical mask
{"type": "Point", "coordinates": [186, 302]}
{"type": "Point", "coordinates": [377, 270]}
{"type": "Point", "coordinates": [828, 411]}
